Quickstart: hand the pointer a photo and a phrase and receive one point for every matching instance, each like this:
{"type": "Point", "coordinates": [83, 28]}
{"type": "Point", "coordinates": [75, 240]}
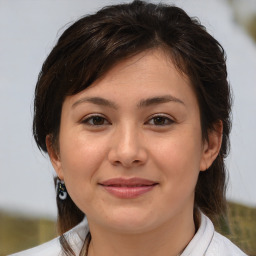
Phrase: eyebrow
{"type": "Point", "coordinates": [143, 103]}
{"type": "Point", "coordinates": [159, 100]}
{"type": "Point", "coordinates": [98, 101]}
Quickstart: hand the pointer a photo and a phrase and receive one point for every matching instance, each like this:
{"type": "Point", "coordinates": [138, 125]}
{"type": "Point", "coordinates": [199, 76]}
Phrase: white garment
{"type": "Point", "coordinates": [206, 242]}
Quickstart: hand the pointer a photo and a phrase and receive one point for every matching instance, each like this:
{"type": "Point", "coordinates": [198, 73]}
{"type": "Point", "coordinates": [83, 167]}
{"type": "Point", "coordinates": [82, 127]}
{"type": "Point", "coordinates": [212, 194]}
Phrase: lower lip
{"type": "Point", "coordinates": [128, 192]}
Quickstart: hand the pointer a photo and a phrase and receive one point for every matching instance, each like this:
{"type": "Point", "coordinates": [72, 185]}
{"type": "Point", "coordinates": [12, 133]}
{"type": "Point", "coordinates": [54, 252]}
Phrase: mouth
{"type": "Point", "coordinates": [128, 188]}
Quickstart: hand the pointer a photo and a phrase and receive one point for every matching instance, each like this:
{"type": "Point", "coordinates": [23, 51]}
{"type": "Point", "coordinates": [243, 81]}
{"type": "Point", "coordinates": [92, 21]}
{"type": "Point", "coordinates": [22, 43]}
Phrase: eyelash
{"type": "Point", "coordinates": [165, 118]}
{"type": "Point", "coordinates": [92, 117]}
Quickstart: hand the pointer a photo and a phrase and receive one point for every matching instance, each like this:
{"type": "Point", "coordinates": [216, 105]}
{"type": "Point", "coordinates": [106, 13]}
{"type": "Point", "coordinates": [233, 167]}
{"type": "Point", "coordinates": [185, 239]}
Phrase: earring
{"type": "Point", "coordinates": [61, 189]}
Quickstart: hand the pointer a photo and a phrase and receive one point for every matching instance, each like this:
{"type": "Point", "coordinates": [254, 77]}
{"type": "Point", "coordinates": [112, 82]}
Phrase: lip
{"type": "Point", "coordinates": [128, 188]}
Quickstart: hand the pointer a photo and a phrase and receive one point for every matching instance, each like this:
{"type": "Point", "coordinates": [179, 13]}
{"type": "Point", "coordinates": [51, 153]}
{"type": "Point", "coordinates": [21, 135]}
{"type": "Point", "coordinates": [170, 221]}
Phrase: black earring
{"type": "Point", "coordinates": [61, 190]}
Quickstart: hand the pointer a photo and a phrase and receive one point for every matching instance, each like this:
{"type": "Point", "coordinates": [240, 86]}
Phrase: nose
{"type": "Point", "coordinates": [127, 148]}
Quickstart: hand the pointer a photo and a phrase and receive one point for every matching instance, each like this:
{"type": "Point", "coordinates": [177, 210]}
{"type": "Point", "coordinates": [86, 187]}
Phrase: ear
{"type": "Point", "coordinates": [211, 147]}
{"type": "Point", "coordinates": [54, 156]}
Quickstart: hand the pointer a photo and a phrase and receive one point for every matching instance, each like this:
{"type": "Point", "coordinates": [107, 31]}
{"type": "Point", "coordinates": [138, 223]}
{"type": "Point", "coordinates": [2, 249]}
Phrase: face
{"type": "Point", "coordinates": [130, 146]}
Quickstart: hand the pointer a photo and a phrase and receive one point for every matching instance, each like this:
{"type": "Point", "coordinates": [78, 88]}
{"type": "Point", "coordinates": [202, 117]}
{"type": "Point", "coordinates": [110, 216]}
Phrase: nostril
{"type": "Point", "coordinates": [128, 158]}
{"type": "Point", "coordinates": [127, 164]}
{"type": "Point", "coordinates": [116, 162]}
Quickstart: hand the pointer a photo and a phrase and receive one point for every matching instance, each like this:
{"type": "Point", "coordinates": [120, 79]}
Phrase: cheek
{"type": "Point", "coordinates": [80, 154]}
{"type": "Point", "coordinates": [179, 158]}
{"type": "Point", "coordinates": [81, 157]}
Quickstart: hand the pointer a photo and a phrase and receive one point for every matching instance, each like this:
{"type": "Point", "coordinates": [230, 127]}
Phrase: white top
{"type": "Point", "coordinates": [206, 242]}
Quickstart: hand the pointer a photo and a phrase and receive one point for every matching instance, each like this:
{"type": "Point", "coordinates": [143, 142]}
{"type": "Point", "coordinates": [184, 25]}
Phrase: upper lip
{"type": "Point", "coordinates": [128, 182]}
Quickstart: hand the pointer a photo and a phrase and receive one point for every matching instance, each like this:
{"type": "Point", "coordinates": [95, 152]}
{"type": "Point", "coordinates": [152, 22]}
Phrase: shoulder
{"type": "Point", "coordinates": [51, 248]}
{"type": "Point", "coordinates": [208, 242]}
{"type": "Point", "coordinates": [75, 237]}
{"type": "Point", "coordinates": [222, 246]}
{"type": "Point", "coordinates": [218, 245]}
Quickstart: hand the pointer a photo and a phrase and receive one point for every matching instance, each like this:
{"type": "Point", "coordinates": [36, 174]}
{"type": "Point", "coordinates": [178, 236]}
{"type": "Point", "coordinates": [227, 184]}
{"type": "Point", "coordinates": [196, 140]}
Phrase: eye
{"type": "Point", "coordinates": [95, 120]}
{"type": "Point", "coordinates": [160, 121]}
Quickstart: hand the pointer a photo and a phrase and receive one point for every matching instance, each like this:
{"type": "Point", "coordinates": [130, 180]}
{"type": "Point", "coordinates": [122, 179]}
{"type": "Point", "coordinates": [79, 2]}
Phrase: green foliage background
{"type": "Point", "coordinates": [240, 227]}
{"type": "Point", "coordinates": [19, 233]}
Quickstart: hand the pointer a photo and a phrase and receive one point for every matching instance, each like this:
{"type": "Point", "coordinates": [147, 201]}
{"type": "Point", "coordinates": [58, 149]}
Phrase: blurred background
{"type": "Point", "coordinates": [28, 31]}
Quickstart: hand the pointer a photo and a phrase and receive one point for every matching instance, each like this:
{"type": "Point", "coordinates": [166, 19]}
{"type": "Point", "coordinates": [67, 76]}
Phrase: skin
{"type": "Point", "coordinates": [129, 141]}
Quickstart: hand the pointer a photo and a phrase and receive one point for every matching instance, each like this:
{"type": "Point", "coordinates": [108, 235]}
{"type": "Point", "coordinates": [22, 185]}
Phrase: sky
{"type": "Point", "coordinates": [29, 30]}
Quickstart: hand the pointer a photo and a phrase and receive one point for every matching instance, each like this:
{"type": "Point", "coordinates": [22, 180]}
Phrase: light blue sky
{"type": "Point", "coordinates": [29, 30]}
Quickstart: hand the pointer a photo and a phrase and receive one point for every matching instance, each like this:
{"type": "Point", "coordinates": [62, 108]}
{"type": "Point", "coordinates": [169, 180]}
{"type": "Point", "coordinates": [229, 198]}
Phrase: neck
{"type": "Point", "coordinates": [168, 240]}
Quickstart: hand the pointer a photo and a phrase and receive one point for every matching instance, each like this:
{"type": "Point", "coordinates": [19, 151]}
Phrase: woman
{"type": "Point", "coordinates": [133, 107]}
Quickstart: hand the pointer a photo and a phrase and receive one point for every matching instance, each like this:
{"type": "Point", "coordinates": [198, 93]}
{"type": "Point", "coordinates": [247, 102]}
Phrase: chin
{"type": "Point", "coordinates": [130, 221]}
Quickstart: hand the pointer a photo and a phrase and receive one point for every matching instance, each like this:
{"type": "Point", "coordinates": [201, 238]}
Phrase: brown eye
{"type": "Point", "coordinates": [160, 121]}
{"type": "Point", "coordinates": [95, 121]}
{"type": "Point", "coordinates": [98, 120]}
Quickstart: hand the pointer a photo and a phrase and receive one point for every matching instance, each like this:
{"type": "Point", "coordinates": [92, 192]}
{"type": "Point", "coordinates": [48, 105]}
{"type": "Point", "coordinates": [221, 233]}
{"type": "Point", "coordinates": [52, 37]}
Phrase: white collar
{"type": "Point", "coordinates": [202, 239]}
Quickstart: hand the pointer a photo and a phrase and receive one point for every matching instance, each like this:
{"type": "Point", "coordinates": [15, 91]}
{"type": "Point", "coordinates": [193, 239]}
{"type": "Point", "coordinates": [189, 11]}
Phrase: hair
{"type": "Point", "coordinates": [95, 43]}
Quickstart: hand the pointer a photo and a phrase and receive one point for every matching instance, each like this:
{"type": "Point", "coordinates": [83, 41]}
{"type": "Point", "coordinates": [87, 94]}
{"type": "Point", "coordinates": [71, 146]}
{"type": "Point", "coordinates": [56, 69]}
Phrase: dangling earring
{"type": "Point", "coordinates": [61, 189]}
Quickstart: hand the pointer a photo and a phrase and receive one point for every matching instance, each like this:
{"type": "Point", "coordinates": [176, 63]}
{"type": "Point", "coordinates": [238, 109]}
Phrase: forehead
{"type": "Point", "coordinates": [148, 74]}
{"type": "Point", "coordinates": [147, 63]}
